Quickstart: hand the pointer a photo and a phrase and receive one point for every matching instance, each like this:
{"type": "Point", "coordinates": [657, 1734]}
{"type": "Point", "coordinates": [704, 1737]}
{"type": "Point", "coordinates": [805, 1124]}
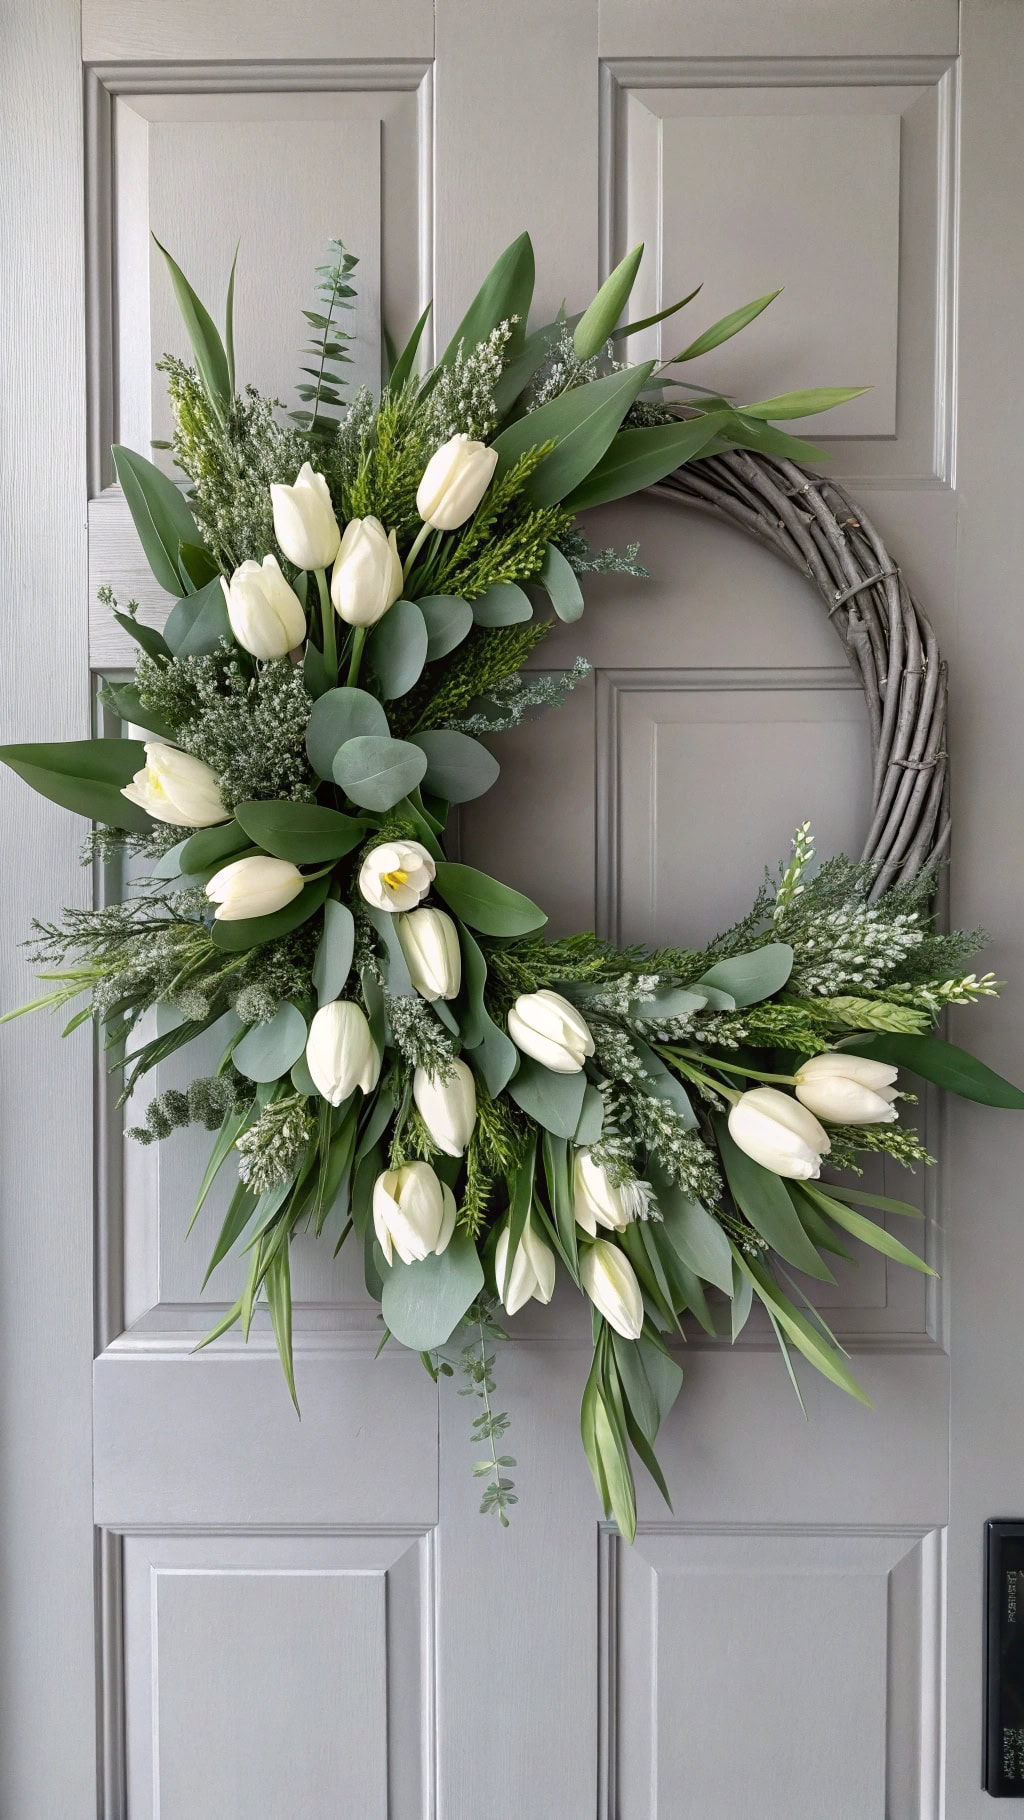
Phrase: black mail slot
{"type": "Point", "coordinates": [1004, 1657]}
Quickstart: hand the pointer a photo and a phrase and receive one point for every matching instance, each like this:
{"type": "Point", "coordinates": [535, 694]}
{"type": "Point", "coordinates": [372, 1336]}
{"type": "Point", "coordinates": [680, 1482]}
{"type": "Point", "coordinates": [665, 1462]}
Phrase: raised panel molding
{"type": "Point", "coordinates": [812, 172]}
{"type": "Point", "coordinates": [806, 1657]}
{"type": "Point", "coordinates": [279, 157]}
{"type": "Point", "coordinates": [285, 1673]}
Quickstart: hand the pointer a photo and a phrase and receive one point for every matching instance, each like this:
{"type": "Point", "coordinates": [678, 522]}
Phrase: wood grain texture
{"type": "Point", "coordinates": [47, 1766]}
{"type": "Point", "coordinates": [113, 31]}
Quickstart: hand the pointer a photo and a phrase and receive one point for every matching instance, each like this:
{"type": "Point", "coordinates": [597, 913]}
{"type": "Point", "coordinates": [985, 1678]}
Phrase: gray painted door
{"type": "Point", "coordinates": [311, 1622]}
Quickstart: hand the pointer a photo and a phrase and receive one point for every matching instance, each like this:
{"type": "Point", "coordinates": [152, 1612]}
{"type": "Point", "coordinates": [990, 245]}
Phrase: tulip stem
{"type": "Point", "coordinates": [421, 537]}
{"type": "Point", "coordinates": [358, 641]}
{"type": "Point", "coordinates": [327, 625]}
{"type": "Point", "coordinates": [754, 1074]}
{"type": "Point", "coordinates": [697, 1075]}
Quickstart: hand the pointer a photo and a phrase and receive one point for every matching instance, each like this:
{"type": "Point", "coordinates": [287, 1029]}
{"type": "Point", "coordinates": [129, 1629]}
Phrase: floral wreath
{"type": "Point", "coordinates": [406, 1060]}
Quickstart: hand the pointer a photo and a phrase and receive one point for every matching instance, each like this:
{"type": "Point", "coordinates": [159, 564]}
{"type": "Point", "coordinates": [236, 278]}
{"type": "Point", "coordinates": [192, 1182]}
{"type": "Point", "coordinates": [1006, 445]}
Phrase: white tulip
{"type": "Point", "coordinates": [256, 886]}
{"type": "Point", "coordinates": [413, 1212]}
{"type": "Point", "coordinates": [430, 943]}
{"type": "Point", "coordinates": [340, 1052]}
{"type": "Point", "coordinates": [266, 615]}
{"type": "Point", "coordinates": [848, 1089]}
{"type": "Point", "coordinates": [779, 1133]}
{"type": "Point", "coordinates": [454, 482]}
{"type": "Point", "coordinates": [177, 788]}
{"type": "Point", "coordinates": [447, 1107]}
{"type": "Point", "coordinates": [533, 1269]}
{"type": "Point", "coordinates": [367, 576]}
{"type": "Point", "coordinates": [610, 1281]}
{"type": "Point", "coordinates": [546, 1026]}
{"type": "Point", "coordinates": [595, 1201]}
{"type": "Point", "coordinates": [396, 875]}
{"type": "Point", "coordinates": [304, 521]}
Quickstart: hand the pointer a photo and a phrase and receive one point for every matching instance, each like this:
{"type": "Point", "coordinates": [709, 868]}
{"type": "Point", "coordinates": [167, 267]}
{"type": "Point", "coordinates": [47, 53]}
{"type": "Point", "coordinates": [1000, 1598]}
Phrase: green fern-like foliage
{"type": "Point", "coordinates": [328, 347]}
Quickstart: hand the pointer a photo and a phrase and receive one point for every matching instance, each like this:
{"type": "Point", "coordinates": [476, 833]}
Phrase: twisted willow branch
{"type": "Point", "coordinates": [814, 525]}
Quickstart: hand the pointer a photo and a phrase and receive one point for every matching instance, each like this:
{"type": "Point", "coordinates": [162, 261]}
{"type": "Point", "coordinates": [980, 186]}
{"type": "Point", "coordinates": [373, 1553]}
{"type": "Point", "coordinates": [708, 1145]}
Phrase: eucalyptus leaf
{"type": "Point", "coordinates": [124, 700]}
{"type": "Point", "coordinates": [210, 848]}
{"type": "Point", "coordinates": [396, 969]}
{"type": "Point", "coordinates": [397, 649]}
{"type": "Point", "coordinates": [494, 1059]}
{"type": "Point", "coordinates": [484, 903]}
{"type": "Point", "coordinates": [160, 514]}
{"type": "Point", "coordinates": [448, 620]}
{"type": "Point", "coordinates": [333, 961]}
{"type": "Point", "coordinates": [423, 1303]}
{"type": "Point", "coordinates": [696, 1237]}
{"type": "Point", "coordinates": [86, 776]}
{"type": "Point", "coordinates": [146, 637]}
{"type": "Point", "coordinates": [598, 320]}
{"type": "Point", "coordinates": [749, 978]}
{"type": "Point", "coordinates": [664, 1084]}
{"type": "Point", "coordinates": [267, 1051]}
{"type": "Point", "coordinates": [338, 716]}
{"type": "Point", "coordinates": [666, 1003]}
{"type": "Point", "coordinates": [305, 833]}
{"type": "Point", "coordinates": [558, 578]}
{"type": "Point", "coordinates": [197, 625]}
{"type": "Point", "coordinates": [459, 768]}
{"type": "Point", "coordinates": [504, 604]}
{"type": "Point", "coordinates": [591, 1118]}
{"type": "Point", "coordinates": [376, 771]}
{"type": "Point", "coordinates": [554, 1101]}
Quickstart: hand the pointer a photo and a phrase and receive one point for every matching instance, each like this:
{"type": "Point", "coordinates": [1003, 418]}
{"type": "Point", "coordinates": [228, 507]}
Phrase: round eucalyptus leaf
{"type": "Point", "coordinates": [754, 976]}
{"type": "Point", "coordinates": [448, 620]}
{"type": "Point", "coordinates": [502, 605]}
{"type": "Point", "coordinates": [423, 1303]}
{"type": "Point", "coordinates": [397, 648]}
{"type": "Point", "coordinates": [338, 716]}
{"type": "Point", "coordinates": [459, 768]}
{"type": "Point", "coordinates": [334, 955]}
{"type": "Point", "coordinates": [553, 1100]}
{"type": "Point", "coordinates": [268, 1051]}
{"type": "Point", "coordinates": [377, 772]}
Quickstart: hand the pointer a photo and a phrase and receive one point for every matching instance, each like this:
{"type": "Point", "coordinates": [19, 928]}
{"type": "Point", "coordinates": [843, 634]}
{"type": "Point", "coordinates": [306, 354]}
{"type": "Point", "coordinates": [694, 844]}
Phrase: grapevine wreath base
{"type": "Point", "coordinates": [403, 1061]}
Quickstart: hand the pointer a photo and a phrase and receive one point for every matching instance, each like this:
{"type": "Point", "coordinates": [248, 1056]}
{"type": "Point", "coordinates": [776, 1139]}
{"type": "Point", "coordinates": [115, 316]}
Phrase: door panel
{"type": "Point", "coordinates": [312, 1618]}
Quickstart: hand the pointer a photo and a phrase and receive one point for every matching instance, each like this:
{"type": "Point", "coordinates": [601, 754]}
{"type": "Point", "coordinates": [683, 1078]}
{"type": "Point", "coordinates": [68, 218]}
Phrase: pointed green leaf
{"type": "Point", "coordinates": [507, 291]}
{"type": "Point", "coordinates": [799, 1329]}
{"type": "Point", "coordinates": [945, 1064]}
{"type": "Point", "coordinates": [648, 322]}
{"type": "Point", "coordinates": [555, 1101]}
{"type": "Point", "coordinates": [640, 458]}
{"type": "Point", "coordinates": [598, 320]}
{"type": "Point", "coordinates": [761, 1197]}
{"type": "Point", "coordinates": [199, 624]}
{"type": "Point", "coordinates": [402, 366]}
{"type": "Point", "coordinates": [803, 404]}
{"type": "Point", "coordinates": [210, 848]}
{"type": "Point", "coordinates": [581, 424]}
{"type": "Point", "coordinates": [486, 904]}
{"type": "Point", "coordinates": [160, 514]}
{"type": "Point", "coordinates": [85, 776]}
{"type": "Point", "coordinates": [333, 961]}
{"type": "Point", "coordinates": [279, 1299]}
{"type": "Point", "coordinates": [211, 358]}
{"type": "Point", "coordinates": [305, 833]}
{"type": "Point", "coordinates": [558, 578]}
{"type": "Point", "coordinates": [229, 324]}
{"type": "Point", "coordinates": [859, 1227]}
{"type": "Point", "coordinates": [724, 329]}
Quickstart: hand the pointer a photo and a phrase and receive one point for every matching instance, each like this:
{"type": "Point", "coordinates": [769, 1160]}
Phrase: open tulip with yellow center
{"type": "Point", "coordinates": [177, 788]}
{"type": "Point", "coordinates": [396, 875]}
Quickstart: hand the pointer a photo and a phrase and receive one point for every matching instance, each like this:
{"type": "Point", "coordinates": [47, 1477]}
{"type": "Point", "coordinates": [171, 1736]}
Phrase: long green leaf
{"type": "Point", "coordinates": [279, 1298]}
{"type": "Point", "coordinates": [598, 320]}
{"type": "Point", "coordinates": [799, 1329]}
{"type": "Point", "coordinates": [160, 514]}
{"type": "Point", "coordinates": [507, 291]}
{"type": "Point", "coordinates": [944, 1064]}
{"type": "Point", "coordinates": [229, 325]}
{"type": "Point", "coordinates": [648, 322]}
{"type": "Point", "coordinates": [868, 1231]}
{"type": "Point", "coordinates": [580, 423]}
{"type": "Point", "coordinates": [803, 404]}
{"type": "Point", "coordinates": [724, 329]}
{"type": "Point", "coordinates": [640, 458]}
{"type": "Point", "coordinates": [85, 776]}
{"type": "Point", "coordinates": [207, 346]}
{"type": "Point", "coordinates": [402, 367]}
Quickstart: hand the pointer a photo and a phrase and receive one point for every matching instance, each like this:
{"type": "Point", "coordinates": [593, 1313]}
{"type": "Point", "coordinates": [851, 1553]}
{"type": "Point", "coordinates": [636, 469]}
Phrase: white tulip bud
{"type": "Point", "coordinates": [609, 1280]}
{"type": "Point", "coordinates": [595, 1201]}
{"type": "Point", "coordinates": [304, 521]}
{"type": "Point", "coordinates": [544, 1024]}
{"type": "Point", "coordinates": [256, 886]}
{"type": "Point", "coordinates": [430, 943]}
{"type": "Point", "coordinates": [396, 875]}
{"type": "Point", "coordinates": [413, 1212]}
{"type": "Point", "coordinates": [367, 576]}
{"type": "Point", "coordinates": [454, 482]}
{"type": "Point", "coordinates": [340, 1052]}
{"type": "Point", "coordinates": [447, 1107]}
{"type": "Point", "coordinates": [779, 1133]}
{"type": "Point", "coordinates": [848, 1089]}
{"type": "Point", "coordinates": [266, 615]}
{"type": "Point", "coordinates": [177, 788]}
{"type": "Point", "coordinates": [533, 1269]}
